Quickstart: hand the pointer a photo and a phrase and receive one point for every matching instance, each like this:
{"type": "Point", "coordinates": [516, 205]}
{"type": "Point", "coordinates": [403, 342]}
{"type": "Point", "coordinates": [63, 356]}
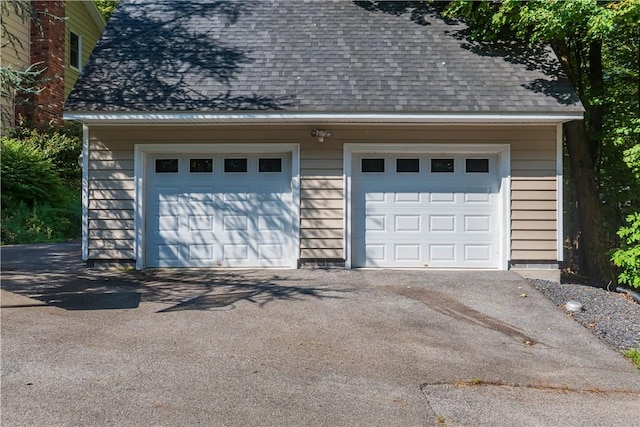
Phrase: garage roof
{"type": "Point", "coordinates": [309, 56]}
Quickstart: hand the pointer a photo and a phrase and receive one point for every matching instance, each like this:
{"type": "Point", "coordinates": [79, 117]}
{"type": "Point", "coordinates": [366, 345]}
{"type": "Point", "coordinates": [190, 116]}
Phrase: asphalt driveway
{"type": "Point", "coordinates": [306, 347]}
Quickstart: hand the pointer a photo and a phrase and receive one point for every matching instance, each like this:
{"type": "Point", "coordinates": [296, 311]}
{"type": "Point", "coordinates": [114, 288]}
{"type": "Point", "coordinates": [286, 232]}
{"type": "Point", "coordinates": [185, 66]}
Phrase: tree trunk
{"type": "Point", "coordinates": [592, 242]}
{"type": "Point", "coordinates": [596, 110]}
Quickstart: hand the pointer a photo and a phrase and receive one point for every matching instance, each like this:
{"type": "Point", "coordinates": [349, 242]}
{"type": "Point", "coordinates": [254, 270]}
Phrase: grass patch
{"type": "Point", "coordinates": [633, 355]}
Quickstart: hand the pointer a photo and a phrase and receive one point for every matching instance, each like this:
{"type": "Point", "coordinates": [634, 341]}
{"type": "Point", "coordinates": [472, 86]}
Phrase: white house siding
{"type": "Point", "coordinates": [533, 169]}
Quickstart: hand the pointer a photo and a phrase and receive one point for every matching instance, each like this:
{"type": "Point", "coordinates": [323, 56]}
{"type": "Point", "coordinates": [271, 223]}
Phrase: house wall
{"type": "Point", "coordinates": [80, 22]}
{"type": "Point", "coordinates": [15, 54]}
{"type": "Point", "coordinates": [533, 168]}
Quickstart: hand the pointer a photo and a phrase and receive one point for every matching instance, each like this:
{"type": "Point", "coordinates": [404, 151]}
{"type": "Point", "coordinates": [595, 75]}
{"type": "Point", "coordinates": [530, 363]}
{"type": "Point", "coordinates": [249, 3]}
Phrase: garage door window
{"type": "Point", "coordinates": [372, 165]}
{"type": "Point", "coordinates": [477, 165]}
{"type": "Point", "coordinates": [270, 165]}
{"type": "Point", "coordinates": [166, 165]}
{"type": "Point", "coordinates": [235, 165]}
{"type": "Point", "coordinates": [200, 165]}
{"type": "Point", "coordinates": [442, 166]}
{"type": "Point", "coordinates": [407, 165]}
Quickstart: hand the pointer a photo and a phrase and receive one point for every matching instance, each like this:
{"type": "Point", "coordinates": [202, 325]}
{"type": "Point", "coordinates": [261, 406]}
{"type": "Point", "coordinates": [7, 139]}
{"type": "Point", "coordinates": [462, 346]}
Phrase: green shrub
{"type": "Point", "coordinates": [628, 256]}
{"type": "Point", "coordinates": [40, 223]}
{"type": "Point", "coordinates": [28, 175]}
{"type": "Point", "coordinates": [61, 145]}
{"type": "Point", "coordinates": [40, 187]}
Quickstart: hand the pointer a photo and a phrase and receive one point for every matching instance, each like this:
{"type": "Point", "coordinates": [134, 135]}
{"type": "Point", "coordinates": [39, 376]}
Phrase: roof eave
{"type": "Point", "coordinates": [317, 118]}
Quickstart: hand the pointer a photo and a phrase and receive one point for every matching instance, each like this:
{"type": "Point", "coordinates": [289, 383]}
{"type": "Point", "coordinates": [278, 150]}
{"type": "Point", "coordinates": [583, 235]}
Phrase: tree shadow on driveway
{"type": "Point", "coordinates": [55, 275]}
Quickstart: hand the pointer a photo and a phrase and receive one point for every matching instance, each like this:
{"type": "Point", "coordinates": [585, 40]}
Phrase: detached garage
{"type": "Point", "coordinates": [281, 134]}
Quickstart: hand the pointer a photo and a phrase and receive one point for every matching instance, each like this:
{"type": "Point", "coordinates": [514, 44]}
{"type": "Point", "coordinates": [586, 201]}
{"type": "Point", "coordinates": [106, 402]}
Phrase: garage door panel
{"type": "Point", "coordinates": [442, 223]}
{"type": "Point", "coordinates": [477, 223]}
{"type": "Point", "coordinates": [418, 219]}
{"type": "Point", "coordinates": [268, 223]}
{"type": "Point", "coordinates": [407, 223]}
{"type": "Point", "coordinates": [201, 223]}
{"type": "Point", "coordinates": [219, 219]}
{"type": "Point", "coordinates": [201, 252]}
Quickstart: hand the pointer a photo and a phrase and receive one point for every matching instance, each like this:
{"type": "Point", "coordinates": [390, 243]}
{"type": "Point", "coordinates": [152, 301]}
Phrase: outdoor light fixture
{"type": "Point", "coordinates": [321, 134]}
{"type": "Point", "coordinates": [80, 160]}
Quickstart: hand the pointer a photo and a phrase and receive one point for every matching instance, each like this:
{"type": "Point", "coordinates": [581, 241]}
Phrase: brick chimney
{"type": "Point", "coordinates": [48, 49]}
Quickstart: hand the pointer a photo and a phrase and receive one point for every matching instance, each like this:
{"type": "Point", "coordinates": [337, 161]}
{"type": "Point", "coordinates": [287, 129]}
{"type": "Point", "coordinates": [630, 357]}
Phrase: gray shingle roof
{"type": "Point", "coordinates": [308, 56]}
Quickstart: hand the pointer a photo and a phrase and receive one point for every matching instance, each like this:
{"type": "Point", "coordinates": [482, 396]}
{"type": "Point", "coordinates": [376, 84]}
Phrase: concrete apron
{"type": "Point", "coordinates": [304, 347]}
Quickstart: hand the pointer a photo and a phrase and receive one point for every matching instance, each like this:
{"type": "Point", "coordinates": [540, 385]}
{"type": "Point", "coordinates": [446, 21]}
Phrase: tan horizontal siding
{"type": "Point", "coordinates": [533, 255]}
{"type": "Point", "coordinates": [111, 214]}
{"type": "Point", "coordinates": [125, 244]}
{"type": "Point", "coordinates": [533, 235]}
{"type": "Point", "coordinates": [111, 164]}
{"type": "Point", "coordinates": [533, 184]}
{"type": "Point", "coordinates": [321, 253]}
{"type": "Point", "coordinates": [533, 205]}
{"type": "Point", "coordinates": [547, 245]}
{"type": "Point", "coordinates": [322, 194]}
{"type": "Point", "coordinates": [533, 225]}
{"type": "Point", "coordinates": [533, 215]}
{"type": "Point", "coordinates": [110, 184]}
{"type": "Point", "coordinates": [111, 254]}
{"type": "Point", "coordinates": [321, 213]}
{"type": "Point", "coordinates": [533, 200]}
{"type": "Point", "coordinates": [111, 234]}
{"type": "Point", "coordinates": [111, 224]}
{"type": "Point", "coordinates": [311, 204]}
{"type": "Point", "coordinates": [115, 205]}
{"type": "Point", "coordinates": [321, 243]}
{"type": "Point", "coordinates": [533, 195]}
{"type": "Point", "coordinates": [327, 184]}
{"type": "Point", "coordinates": [321, 173]}
{"type": "Point", "coordinates": [107, 155]}
{"type": "Point", "coordinates": [111, 200]}
{"type": "Point", "coordinates": [320, 233]}
{"type": "Point", "coordinates": [111, 194]}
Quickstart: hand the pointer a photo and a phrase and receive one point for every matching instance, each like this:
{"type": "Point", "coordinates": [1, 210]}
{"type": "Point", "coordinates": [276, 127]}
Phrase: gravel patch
{"type": "Point", "coordinates": [612, 316]}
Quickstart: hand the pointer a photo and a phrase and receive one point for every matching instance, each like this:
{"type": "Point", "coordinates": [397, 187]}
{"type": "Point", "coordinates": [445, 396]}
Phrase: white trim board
{"type": "Point", "coordinates": [504, 197]}
{"type": "Point", "coordinates": [559, 194]}
{"type": "Point", "coordinates": [143, 150]}
{"type": "Point", "coordinates": [317, 118]}
{"type": "Point", "coordinates": [85, 192]}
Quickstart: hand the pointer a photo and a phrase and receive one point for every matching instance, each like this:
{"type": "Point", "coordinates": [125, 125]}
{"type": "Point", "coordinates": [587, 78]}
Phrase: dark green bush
{"type": "Point", "coordinates": [28, 175]}
{"type": "Point", "coordinates": [40, 223]}
{"type": "Point", "coordinates": [62, 146]}
{"type": "Point", "coordinates": [40, 187]}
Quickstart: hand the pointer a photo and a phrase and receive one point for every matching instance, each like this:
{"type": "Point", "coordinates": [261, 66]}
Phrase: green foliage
{"type": "Point", "coordinates": [633, 355]}
{"type": "Point", "coordinates": [106, 8]}
{"type": "Point", "coordinates": [628, 256]}
{"type": "Point", "coordinates": [598, 45]}
{"type": "Point", "coordinates": [40, 186]}
{"type": "Point", "coordinates": [40, 223]}
{"type": "Point", "coordinates": [61, 145]}
{"type": "Point", "coordinates": [27, 174]}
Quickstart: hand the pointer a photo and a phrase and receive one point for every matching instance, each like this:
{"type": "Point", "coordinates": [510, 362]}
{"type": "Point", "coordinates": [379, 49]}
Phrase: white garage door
{"type": "Point", "coordinates": [425, 210]}
{"type": "Point", "coordinates": [231, 210]}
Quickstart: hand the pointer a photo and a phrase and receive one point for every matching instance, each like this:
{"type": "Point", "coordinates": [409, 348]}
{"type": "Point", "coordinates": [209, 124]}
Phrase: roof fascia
{"type": "Point", "coordinates": [317, 118]}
